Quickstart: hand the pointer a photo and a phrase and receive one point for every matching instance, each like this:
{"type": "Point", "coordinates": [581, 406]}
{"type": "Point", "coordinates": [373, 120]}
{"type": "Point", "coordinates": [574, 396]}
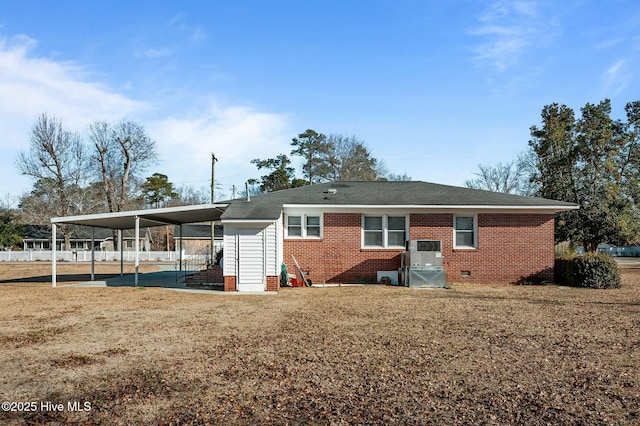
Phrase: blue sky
{"type": "Point", "coordinates": [433, 87]}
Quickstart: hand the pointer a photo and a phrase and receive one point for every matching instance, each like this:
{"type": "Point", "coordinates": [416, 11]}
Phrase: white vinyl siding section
{"type": "Point", "coordinates": [279, 244]}
{"type": "Point", "coordinates": [252, 254]}
{"type": "Point", "coordinates": [271, 251]}
{"type": "Point", "coordinates": [230, 255]}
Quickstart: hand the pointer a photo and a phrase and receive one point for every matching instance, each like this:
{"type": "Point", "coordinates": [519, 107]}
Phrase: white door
{"type": "Point", "coordinates": [251, 273]}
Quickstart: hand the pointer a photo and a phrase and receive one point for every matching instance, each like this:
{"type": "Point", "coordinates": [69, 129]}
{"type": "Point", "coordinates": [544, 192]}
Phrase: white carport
{"type": "Point", "coordinates": [134, 220]}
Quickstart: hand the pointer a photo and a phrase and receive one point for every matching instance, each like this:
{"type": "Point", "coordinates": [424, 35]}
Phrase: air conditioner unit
{"type": "Point", "coordinates": [423, 253]}
{"type": "Point", "coordinates": [422, 264]}
{"type": "Point", "coordinates": [424, 245]}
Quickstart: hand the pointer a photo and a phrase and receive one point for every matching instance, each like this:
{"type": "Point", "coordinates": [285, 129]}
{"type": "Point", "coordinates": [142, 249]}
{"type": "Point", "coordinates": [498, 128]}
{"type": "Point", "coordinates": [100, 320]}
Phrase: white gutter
{"type": "Point", "coordinates": [441, 207]}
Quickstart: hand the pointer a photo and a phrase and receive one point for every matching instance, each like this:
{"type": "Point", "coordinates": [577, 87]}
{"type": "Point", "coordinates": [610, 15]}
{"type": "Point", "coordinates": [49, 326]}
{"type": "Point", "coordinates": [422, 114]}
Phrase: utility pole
{"type": "Point", "coordinates": [213, 176]}
{"type": "Point", "coordinates": [213, 225]}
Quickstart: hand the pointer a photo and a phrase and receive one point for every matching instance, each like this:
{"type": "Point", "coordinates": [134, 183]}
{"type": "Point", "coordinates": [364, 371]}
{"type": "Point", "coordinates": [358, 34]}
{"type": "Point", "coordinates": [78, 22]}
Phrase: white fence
{"type": "Point", "coordinates": [85, 256]}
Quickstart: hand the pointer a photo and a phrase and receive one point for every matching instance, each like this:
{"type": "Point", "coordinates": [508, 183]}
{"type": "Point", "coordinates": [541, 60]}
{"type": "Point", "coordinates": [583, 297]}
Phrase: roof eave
{"type": "Point", "coordinates": [438, 207]}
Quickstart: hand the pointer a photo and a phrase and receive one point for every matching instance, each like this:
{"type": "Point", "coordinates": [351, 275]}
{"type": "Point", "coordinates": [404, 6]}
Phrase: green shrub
{"type": "Point", "coordinates": [596, 271]}
{"type": "Point", "coordinates": [588, 270]}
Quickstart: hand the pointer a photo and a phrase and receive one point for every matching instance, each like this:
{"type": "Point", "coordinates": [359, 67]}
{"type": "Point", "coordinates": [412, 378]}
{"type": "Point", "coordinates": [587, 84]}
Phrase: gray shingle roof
{"type": "Point", "coordinates": [268, 206]}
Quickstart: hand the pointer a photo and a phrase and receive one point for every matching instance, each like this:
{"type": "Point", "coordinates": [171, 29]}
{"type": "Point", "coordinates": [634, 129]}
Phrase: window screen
{"type": "Point", "coordinates": [294, 226]}
{"type": "Point", "coordinates": [464, 230]}
{"type": "Point", "coordinates": [373, 231]}
{"type": "Point", "coordinates": [313, 226]}
{"type": "Point", "coordinates": [396, 231]}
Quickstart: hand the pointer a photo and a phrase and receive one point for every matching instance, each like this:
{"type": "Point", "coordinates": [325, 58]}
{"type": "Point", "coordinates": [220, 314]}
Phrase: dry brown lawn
{"type": "Point", "coordinates": [349, 355]}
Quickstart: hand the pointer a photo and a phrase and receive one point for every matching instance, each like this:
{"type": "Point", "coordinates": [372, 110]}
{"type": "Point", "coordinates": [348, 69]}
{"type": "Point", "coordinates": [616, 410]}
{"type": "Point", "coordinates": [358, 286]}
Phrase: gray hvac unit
{"type": "Point", "coordinates": [422, 264]}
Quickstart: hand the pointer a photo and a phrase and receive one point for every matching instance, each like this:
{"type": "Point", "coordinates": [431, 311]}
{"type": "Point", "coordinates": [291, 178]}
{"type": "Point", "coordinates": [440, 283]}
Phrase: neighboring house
{"type": "Point", "coordinates": [196, 238]}
{"type": "Point", "coordinates": [38, 238]}
{"type": "Point", "coordinates": [345, 232]}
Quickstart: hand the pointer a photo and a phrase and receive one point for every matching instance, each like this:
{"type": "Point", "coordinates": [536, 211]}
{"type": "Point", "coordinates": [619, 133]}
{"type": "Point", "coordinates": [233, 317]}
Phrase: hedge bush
{"type": "Point", "coordinates": [589, 270]}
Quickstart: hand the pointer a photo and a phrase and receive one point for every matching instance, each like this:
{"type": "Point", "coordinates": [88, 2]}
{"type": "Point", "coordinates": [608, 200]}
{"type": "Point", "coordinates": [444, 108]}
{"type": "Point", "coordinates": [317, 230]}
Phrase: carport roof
{"type": "Point", "coordinates": [152, 217]}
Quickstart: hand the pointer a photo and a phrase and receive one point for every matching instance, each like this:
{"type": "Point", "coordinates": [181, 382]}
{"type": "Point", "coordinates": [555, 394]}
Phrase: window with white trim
{"type": "Point", "coordinates": [312, 226]}
{"type": "Point", "coordinates": [294, 226]}
{"type": "Point", "coordinates": [303, 226]}
{"type": "Point", "coordinates": [384, 231]}
{"type": "Point", "coordinates": [465, 231]}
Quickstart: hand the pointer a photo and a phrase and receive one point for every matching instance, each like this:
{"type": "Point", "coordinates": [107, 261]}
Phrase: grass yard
{"type": "Point", "coordinates": [349, 355]}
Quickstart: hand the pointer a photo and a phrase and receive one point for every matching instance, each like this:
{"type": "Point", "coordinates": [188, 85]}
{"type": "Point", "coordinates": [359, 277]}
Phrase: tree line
{"type": "Point", "coordinates": [592, 160]}
{"type": "Point", "coordinates": [98, 172]}
{"type": "Point", "coordinates": [102, 171]}
{"type": "Point", "coordinates": [324, 158]}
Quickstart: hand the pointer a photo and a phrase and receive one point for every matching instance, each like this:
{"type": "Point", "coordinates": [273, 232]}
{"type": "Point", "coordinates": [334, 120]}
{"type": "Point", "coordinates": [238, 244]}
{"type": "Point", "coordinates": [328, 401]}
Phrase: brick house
{"type": "Point", "coordinates": [347, 231]}
{"type": "Point", "coordinates": [344, 232]}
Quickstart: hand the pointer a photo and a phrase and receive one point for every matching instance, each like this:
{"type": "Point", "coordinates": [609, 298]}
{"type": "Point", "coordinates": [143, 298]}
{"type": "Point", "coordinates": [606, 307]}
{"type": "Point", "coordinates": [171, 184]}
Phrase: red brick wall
{"type": "Point", "coordinates": [273, 283]}
{"type": "Point", "coordinates": [510, 248]}
{"type": "Point", "coordinates": [229, 283]}
{"type": "Point", "coordinates": [338, 257]}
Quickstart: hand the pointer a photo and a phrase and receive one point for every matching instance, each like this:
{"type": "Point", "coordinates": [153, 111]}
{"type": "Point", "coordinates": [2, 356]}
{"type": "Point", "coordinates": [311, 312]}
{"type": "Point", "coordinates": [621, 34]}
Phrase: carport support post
{"type": "Point", "coordinates": [93, 253]}
{"type": "Point", "coordinates": [121, 244]}
{"type": "Point", "coordinates": [137, 247]}
{"type": "Point", "coordinates": [54, 277]}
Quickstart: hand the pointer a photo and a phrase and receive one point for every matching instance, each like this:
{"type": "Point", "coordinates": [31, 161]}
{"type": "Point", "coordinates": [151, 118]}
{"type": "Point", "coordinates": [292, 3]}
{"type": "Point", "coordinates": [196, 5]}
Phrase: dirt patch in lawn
{"type": "Point", "coordinates": [353, 355]}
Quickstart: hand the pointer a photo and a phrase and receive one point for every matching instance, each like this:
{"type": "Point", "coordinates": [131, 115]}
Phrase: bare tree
{"type": "Point", "coordinates": [350, 159]}
{"type": "Point", "coordinates": [8, 202]}
{"type": "Point", "coordinates": [513, 177]}
{"type": "Point", "coordinates": [188, 195]}
{"type": "Point", "coordinates": [57, 161]}
{"type": "Point", "coordinates": [398, 177]}
{"type": "Point", "coordinates": [123, 151]}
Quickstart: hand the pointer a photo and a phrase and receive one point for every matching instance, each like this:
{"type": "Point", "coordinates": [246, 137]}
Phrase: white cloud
{"type": "Point", "coordinates": [615, 79]}
{"type": "Point", "coordinates": [526, 8]}
{"type": "Point", "coordinates": [31, 85]}
{"type": "Point", "coordinates": [236, 135]}
{"type": "Point", "coordinates": [508, 30]}
{"type": "Point", "coordinates": [193, 33]}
